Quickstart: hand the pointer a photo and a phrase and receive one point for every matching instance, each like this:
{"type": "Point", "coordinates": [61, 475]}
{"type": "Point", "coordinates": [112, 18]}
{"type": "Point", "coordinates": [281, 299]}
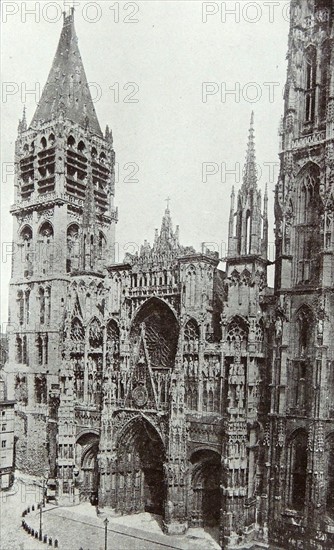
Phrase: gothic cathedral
{"type": "Point", "coordinates": [164, 384]}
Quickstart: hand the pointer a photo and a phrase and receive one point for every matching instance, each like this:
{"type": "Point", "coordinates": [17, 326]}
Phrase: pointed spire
{"type": "Point", "coordinates": [66, 90]}
{"type": "Point", "coordinates": [250, 172]}
{"type": "Point", "coordinates": [23, 123]}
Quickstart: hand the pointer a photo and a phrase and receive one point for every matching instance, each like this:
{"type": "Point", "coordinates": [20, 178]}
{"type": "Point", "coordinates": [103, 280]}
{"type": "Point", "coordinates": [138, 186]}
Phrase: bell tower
{"type": "Point", "coordinates": [64, 224]}
{"type": "Point", "coordinates": [243, 342]}
{"type": "Point", "coordinates": [302, 420]}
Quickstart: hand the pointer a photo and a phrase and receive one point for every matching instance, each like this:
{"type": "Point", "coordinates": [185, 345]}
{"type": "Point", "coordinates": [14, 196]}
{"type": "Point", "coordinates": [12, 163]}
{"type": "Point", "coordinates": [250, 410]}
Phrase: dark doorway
{"type": "Point", "coordinates": [86, 453]}
{"type": "Point", "coordinates": [140, 477]}
{"type": "Point", "coordinates": [205, 485]}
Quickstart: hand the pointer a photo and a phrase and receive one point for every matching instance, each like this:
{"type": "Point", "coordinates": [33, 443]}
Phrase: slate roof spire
{"type": "Point", "coordinates": [66, 90]}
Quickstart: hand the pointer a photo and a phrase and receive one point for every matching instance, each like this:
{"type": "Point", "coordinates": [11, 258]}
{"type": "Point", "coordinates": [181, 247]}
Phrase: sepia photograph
{"type": "Point", "coordinates": [167, 275]}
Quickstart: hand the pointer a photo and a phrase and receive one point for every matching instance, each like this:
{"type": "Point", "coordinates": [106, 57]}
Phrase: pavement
{"type": "Point", "coordinates": [79, 527]}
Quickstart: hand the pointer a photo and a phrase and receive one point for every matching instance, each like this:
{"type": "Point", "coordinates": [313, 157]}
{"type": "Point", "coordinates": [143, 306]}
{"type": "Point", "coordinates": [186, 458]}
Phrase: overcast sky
{"type": "Point", "coordinates": [150, 64]}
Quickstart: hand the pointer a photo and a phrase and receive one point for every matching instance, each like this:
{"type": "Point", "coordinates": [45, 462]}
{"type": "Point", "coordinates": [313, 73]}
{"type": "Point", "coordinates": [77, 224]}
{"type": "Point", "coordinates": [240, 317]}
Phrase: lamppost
{"type": "Point", "coordinates": [106, 521]}
{"type": "Point", "coordinates": [40, 511]}
{"type": "Point", "coordinates": [42, 503]}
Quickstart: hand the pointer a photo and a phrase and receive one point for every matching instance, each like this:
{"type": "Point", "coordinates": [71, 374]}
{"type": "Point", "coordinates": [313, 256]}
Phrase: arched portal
{"type": "Point", "coordinates": [139, 472]}
{"type": "Point", "coordinates": [205, 498]}
{"type": "Point", "coordinates": [86, 457]}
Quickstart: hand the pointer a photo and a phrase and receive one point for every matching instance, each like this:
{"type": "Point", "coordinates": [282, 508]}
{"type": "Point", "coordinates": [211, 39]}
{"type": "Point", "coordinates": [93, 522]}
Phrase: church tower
{"type": "Point", "coordinates": [302, 413]}
{"type": "Point", "coordinates": [243, 344]}
{"type": "Point", "coordinates": [64, 224]}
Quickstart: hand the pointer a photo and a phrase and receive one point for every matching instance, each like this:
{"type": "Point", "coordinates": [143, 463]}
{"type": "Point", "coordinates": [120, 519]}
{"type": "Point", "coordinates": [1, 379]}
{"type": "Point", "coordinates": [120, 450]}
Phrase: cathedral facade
{"type": "Point", "coordinates": [164, 384]}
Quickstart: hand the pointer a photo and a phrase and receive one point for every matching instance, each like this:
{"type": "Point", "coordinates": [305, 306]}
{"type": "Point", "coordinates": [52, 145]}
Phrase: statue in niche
{"type": "Point", "coordinates": [205, 369]}
{"type": "Point", "coordinates": [196, 367]}
{"type": "Point", "coordinates": [217, 368]}
{"type": "Point", "coordinates": [191, 367]}
{"type": "Point", "coordinates": [185, 365]}
{"type": "Point", "coordinates": [113, 389]}
{"type": "Point", "coordinates": [240, 370]}
{"type": "Point", "coordinates": [279, 327]}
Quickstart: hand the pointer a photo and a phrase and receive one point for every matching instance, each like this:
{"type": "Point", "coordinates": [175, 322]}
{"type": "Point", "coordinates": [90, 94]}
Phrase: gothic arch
{"type": "Point", "coordinates": [128, 430]}
{"type": "Point", "coordinates": [85, 432]}
{"type": "Point", "coordinates": [77, 330]}
{"type": "Point", "coordinates": [46, 229]}
{"type": "Point", "coordinates": [157, 301]}
{"type": "Point", "coordinates": [237, 334]}
{"type": "Point", "coordinates": [297, 469]}
{"type": "Point", "coordinates": [87, 448]}
{"type": "Point", "coordinates": [26, 233]}
{"type": "Point", "coordinates": [70, 141]}
{"type": "Point", "coordinates": [95, 333]}
{"type": "Point", "coordinates": [161, 332]}
{"type": "Point", "coordinates": [140, 455]}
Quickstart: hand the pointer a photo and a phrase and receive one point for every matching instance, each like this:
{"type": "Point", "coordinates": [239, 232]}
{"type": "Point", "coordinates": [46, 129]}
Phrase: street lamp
{"type": "Point", "coordinates": [106, 521]}
{"type": "Point", "coordinates": [40, 513]}
{"type": "Point", "coordinates": [42, 503]}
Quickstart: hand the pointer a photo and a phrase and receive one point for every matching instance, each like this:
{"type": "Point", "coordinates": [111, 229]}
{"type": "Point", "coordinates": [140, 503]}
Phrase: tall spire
{"type": "Point", "coordinates": [66, 89]}
{"type": "Point", "coordinates": [250, 172]}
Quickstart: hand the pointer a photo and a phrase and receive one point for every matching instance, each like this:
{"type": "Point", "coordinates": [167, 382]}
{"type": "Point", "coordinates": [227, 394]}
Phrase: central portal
{"type": "Point", "coordinates": [140, 483]}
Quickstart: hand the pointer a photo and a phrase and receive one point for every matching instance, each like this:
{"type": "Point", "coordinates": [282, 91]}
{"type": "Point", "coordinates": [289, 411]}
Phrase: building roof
{"type": "Point", "coordinates": [66, 90]}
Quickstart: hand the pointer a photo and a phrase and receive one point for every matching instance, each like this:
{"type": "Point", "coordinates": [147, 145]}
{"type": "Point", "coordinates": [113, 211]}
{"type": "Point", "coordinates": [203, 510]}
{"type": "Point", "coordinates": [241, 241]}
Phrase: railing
{"type": "Point", "coordinates": [311, 139]}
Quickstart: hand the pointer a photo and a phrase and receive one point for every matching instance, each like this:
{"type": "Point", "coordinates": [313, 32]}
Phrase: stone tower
{"type": "Point", "coordinates": [244, 345]}
{"type": "Point", "coordinates": [302, 415]}
{"type": "Point", "coordinates": [64, 222]}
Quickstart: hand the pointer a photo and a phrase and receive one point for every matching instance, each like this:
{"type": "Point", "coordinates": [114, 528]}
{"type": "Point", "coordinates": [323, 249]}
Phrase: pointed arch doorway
{"type": "Point", "coordinates": [86, 452]}
{"type": "Point", "coordinates": [205, 497]}
{"type": "Point", "coordinates": [139, 474]}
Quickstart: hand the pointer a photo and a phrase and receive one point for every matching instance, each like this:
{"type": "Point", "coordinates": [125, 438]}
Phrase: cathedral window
{"type": "Point", "coordinates": [248, 237]}
{"type": "Point", "coordinates": [308, 237]}
{"type": "Point", "coordinates": [46, 251]}
{"type": "Point", "coordinates": [24, 350]}
{"type": "Point", "coordinates": [325, 79]}
{"type": "Point", "coordinates": [20, 302]}
{"type": "Point", "coordinates": [95, 334]}
{"type": "Point", "coordinates": [72, 260]}
{"type": "Point", "coordinates": [43, 143]}
{"type": "Point", "coordinates": [27, 305]}
{"type": "Point", "coordinates": [237, 335]}
{"type": "Point", "coordinates": [102, 246]}
{"type": "Point", "coordinates": [40, 389]}
{"type": "Point", "coordinates": [297, 466]}
{"type": "Point", "coordinates": [305, 329]}
{"type": "Point", "coordinates": [41, 306]}
{"type": "Point", "coordinates": [19, 349]}
{"type": "Point", "coordinates": [310, 84]}
{"type": "Point", "coordinates": [26, 240]}
{"type": "Point", "coordinates": [77, 330]}
{"type": "Point", "coordinates": [191, 287]}
{"type": "Point", "coordinates": [42, 349]}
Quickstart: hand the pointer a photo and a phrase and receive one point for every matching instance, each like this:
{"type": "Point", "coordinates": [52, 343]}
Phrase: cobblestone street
{"type": "Point", "coordinates": [78, 527]}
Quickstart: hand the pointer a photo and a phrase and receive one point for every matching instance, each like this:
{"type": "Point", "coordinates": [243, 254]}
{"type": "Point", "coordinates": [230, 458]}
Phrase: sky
{"type": "Point", "coordinates": [176, 81]}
